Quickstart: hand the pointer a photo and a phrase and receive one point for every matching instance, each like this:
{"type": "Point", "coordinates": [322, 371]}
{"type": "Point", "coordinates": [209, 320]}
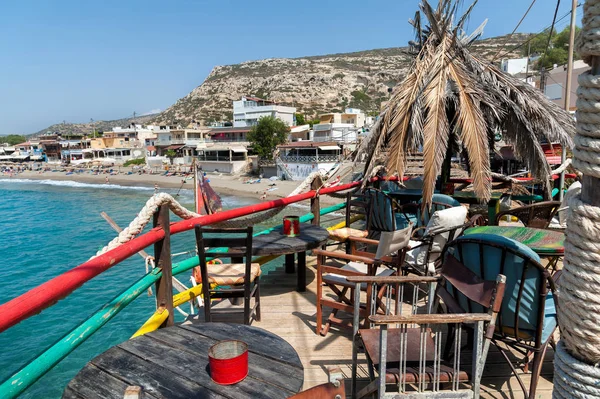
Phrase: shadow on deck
{"type": "Point", "coordinates": [291, 315]}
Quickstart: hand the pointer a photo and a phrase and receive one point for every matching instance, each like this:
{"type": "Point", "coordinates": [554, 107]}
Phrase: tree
{"type": "Point", "coordinates": [300, 119]}
{"type": "Point", "coordinates": [555, 53]}
{"type": "Point", "coordinates": [12, 139]}
{"type": "Point", "coordinates": [171, 154]}
{"type": "Point", "coordinates": [268, 134]}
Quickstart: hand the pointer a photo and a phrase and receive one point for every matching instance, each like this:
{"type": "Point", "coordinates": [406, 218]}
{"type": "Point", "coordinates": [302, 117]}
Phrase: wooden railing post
{"type": "Point", "coordinates": [315, 202]}
{"type": "Point", "coordinates": [162, 256]}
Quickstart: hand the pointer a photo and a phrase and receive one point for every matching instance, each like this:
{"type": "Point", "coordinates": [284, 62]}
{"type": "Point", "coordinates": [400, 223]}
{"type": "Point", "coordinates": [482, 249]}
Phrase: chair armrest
{"type": "Point", "coordinates": [363, 240]}
{"type": "Point", "coordinates": [344, 256]}
{"type": "Point", "coordinates": [431, 318]}
{"type": "Point", "coordinates": [394, 279]}
{"type": "Point", "coordinates": [418, 229]}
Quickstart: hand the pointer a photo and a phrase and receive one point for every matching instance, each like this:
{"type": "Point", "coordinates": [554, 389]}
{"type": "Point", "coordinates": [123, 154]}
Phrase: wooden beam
{"type": "Point", "coordinates": [162, 256]}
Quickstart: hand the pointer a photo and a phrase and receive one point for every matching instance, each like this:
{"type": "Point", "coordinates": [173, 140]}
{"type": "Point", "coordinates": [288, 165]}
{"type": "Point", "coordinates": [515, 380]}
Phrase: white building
{"type": "Point", "coordinates": [514, 66]}
{"type": "Point", "coordinates": [339, 127]}
{"type": "Point", "coordinates": [248, 110]}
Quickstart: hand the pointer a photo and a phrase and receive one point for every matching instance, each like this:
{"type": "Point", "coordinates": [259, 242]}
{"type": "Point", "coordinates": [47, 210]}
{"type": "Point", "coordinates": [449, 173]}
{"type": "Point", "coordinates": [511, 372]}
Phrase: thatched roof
{"type": "Point", "coordinates": [451, 96]}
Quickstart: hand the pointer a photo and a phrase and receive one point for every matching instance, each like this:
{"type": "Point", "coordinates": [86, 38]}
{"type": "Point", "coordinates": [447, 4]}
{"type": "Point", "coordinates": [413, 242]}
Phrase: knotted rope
{"type": "Point", "coordinates": [145, 215]}
{"type": "Point", "coordinates": [578, 352]}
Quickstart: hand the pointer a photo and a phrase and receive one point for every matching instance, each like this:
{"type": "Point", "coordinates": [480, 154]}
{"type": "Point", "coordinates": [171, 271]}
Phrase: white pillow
{"type": "Point", "coordinates": [442, 220]}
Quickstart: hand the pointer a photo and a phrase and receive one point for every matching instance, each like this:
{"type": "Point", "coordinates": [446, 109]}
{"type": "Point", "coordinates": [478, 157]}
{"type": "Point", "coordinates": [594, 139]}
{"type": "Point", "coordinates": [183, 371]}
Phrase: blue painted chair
{"type": "Point", "coordinates": [527, 319]}
{"type": "Point", "coordinates": [383, 213]}
{"type": "Point", "coordinates": [413, 211]}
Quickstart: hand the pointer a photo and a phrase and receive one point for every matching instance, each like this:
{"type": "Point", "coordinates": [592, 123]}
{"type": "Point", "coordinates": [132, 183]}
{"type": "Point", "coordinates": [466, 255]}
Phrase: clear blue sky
{"type": "Point", "coordinates": [76, 60]}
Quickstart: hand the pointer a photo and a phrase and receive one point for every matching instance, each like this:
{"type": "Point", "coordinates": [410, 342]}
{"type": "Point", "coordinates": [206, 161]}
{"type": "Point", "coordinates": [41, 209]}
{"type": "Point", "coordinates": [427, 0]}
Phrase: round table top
{"type": "Point", "coordinates": [543, 242]}
{"type": "Point", "coordinates": [276, 243]}
{"type": "Point", "coordinates": [173, 362]}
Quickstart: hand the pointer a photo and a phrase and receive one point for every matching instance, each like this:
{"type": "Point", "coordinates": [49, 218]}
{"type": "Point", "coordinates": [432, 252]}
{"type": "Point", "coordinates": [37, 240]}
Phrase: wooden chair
{"type": "Point", "coordinates": [537, 215]}
{"type": "Point", "coordinates": [334, 389]}
{"type": "Point", "coordinates": [527, 319]}
{"type": "Point", "coordinates": [238, 279]}
{"type": "Point", "coordinates": [333, 267]}
{"type": "Point", "coordinates": [357, 207]}
{"type": "Point", "coordinates": [404, 349]}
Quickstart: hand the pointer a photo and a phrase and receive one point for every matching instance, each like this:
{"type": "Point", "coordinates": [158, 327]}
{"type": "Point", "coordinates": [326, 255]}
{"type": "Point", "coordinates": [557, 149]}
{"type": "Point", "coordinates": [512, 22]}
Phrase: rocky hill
{"type": "Point", "coordinates": [316, 84]}
{"type": "Point", "coordinates": [79, 129]}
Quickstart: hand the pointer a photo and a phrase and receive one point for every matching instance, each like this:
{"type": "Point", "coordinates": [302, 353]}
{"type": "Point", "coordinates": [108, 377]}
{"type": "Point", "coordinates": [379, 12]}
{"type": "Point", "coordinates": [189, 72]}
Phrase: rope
{"type": "Point", "coordinates": [145, 215]}
{"type": "Point", "coordinates": [572, 378]}
{"type": "Point", "coordinates": [578, 311]}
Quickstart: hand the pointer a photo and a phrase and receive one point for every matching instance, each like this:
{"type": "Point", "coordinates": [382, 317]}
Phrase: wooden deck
{"type": "Point", "coordinates": [291, 315]}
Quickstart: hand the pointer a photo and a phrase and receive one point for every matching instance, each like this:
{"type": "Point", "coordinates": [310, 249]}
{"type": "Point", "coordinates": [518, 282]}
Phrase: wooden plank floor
{"type": "Point", "coordinates": [291, 315]}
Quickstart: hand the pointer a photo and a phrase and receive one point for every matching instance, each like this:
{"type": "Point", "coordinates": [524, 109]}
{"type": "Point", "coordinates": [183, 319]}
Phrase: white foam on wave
{"type": "Point", "coordinates": [75, 184]}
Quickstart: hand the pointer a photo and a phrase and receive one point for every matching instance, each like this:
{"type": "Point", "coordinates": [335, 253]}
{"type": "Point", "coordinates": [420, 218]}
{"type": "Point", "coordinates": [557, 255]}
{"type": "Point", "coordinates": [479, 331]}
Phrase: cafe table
{"type": "Point", "coordinates": [276, 243]}
{"type": "Point", "coordinates": [173, 363]}
{"type": "Point", "coordinates": [546, 243]}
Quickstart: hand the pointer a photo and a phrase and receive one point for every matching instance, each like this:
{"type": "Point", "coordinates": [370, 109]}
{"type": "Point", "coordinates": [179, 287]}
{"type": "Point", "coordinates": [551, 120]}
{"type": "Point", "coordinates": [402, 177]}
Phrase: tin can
{"type": "Point", "coordinates": [291, 226]}
{"type": "Point", "coordinates": [228, 361]}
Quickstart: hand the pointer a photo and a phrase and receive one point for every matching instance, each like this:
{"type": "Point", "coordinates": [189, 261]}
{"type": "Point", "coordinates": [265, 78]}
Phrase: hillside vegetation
{"type": "Point", "coordinates": [314, 84]}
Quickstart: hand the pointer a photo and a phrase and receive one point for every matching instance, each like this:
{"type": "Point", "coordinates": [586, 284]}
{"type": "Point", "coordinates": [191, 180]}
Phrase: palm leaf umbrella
{"type": "Point", "coordinates": [451, 96]}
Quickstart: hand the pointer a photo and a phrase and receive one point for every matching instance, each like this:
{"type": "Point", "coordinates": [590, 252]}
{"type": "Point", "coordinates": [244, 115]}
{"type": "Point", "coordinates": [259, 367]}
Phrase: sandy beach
{"type": "Point", "coordinates": [222, 183]}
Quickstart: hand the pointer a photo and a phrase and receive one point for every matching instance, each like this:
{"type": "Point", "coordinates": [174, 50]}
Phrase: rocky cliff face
{"type": "Point", "coordinates": [314, 85]}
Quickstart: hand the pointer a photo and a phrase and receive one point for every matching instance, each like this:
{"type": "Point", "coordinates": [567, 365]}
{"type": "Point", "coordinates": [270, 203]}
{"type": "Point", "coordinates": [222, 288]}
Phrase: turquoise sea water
{"type": "Point", "coordinates": [49, 227]}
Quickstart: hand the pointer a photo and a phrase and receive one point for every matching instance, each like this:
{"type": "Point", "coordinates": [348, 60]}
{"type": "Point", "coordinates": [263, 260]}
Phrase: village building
{"type": "Point", "coordinates": [248, 110]}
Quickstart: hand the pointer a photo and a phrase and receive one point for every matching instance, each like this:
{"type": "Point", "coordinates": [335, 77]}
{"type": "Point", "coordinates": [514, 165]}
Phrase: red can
{"type": "Point", "coordinates": [291, 226]}
{"type": "Point", "coordinates": [228, 361]}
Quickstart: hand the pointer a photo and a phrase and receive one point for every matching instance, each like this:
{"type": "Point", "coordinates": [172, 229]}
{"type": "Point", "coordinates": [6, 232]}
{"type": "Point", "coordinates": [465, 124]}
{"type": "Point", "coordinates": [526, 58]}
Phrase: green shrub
{"type": "Point", "coordinates": [137, 161]}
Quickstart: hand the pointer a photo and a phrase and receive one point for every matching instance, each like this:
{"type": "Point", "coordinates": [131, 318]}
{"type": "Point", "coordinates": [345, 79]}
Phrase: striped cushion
{"type": "Point", "coordinates": [232, 273]}
{"type": "Point", "coordinates": [345, 232]}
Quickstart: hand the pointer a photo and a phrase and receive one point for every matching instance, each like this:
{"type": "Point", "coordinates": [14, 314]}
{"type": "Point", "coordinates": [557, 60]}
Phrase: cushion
{"type": "Point", "coordinates": [442, 220]}
{"type": "Point", "coordinates": [392, 241]}
{"type": "Point", "coordinates": [232, 273]}
{"type": "Point", "coordinates": [359, 267]}
{"type": "Point", "coordinates": [416, 257]}
{"type": "Point", "coordinates": [345, 232]}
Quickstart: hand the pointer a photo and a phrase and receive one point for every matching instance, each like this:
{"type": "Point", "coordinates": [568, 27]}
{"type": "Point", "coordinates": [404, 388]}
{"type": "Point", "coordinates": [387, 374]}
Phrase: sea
{"type": "Point", "coordinates": [52, 226]}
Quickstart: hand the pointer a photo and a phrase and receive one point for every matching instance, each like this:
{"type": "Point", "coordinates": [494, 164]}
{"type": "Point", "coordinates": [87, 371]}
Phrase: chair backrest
{"type": "Point", "coordinates": [382, 211]}
{"type": "Point", "coordinates": [438, 202]}
{"type": "Point", "coordinates": [537, 215]}
{"type": "Point", "coordinates": [521, 316]}
{"type": "Point", "coordinates": [391, 242]}
{"type": "Point", "coordinates": [224, 243]}
{"type": "Point", "coordinates": [357, 203]}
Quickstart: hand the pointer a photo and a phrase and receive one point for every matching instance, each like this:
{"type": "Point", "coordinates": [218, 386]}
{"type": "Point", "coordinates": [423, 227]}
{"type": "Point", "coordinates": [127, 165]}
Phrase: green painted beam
{"type": "Point", "coordinates": [33, 371]}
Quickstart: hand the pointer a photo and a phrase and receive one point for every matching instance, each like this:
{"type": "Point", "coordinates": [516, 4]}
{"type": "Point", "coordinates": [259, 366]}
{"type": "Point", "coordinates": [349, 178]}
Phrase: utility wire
{"type": "Point", "coordinates": [538, 34]}
{"type": "Point", "coordinates": [550, 36]}
{"type": "Point", "coordinates": [514, 30]}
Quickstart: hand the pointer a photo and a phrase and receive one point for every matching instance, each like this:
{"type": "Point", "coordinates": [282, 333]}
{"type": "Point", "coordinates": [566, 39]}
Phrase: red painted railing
{"type": "Point", "coordinates": [48, 293]}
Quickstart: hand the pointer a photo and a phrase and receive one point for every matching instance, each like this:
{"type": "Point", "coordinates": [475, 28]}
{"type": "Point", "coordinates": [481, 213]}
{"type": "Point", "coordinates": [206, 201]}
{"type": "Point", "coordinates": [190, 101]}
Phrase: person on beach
{"type": "Point", "coordinates": [155, 188]}
{"type": "Point", "coordinates": [106, 180]}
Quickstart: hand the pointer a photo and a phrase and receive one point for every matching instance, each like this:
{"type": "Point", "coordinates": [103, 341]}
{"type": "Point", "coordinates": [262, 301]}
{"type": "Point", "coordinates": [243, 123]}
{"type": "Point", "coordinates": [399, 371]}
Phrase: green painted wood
{"type": "Point", "coordinates": [30, 373]}
{"type": "Point", "coordinates": [543, 242]}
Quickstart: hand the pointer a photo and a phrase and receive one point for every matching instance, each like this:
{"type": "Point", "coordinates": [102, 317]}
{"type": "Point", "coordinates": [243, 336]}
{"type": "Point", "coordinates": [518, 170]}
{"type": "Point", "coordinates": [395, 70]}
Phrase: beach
{"type": "Point", "coordinates": [222, 183]}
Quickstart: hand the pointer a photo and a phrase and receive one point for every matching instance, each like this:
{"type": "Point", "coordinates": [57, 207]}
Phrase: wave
{"type": "Point", "coordinates": [74, 184]}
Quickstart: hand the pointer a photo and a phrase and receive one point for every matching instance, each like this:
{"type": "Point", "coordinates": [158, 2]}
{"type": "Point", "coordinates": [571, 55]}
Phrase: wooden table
{"type": "Point", "coordinates": [173, 363]}
{"type": "Point", "coordinates": [276, 243]}
{"type": "Point", "coordinates": [545, 243]}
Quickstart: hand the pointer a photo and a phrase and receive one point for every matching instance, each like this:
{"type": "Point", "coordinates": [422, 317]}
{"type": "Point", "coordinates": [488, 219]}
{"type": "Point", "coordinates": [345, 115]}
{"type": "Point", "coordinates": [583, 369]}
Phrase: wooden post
{"type": "Point", "coordinates": [315, 206]}
{"type": "Point", "coordinates": [162, 256]}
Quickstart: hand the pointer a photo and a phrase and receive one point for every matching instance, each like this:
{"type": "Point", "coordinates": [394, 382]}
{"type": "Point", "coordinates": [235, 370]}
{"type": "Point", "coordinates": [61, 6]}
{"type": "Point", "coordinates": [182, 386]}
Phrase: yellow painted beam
{"type": "Point", "coordinates": [155, 321]}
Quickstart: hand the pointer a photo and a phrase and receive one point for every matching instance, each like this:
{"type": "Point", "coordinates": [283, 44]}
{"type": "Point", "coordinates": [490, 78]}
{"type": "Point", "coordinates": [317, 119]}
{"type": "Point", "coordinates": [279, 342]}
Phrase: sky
{"type": "Point", "coordinates": [74, 61]}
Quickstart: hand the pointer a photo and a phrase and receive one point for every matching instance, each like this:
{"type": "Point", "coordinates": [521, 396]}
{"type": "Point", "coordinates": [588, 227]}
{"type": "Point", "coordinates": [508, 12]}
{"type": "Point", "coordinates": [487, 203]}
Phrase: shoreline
{"type": "Point", "coordinates": [222, 184]}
